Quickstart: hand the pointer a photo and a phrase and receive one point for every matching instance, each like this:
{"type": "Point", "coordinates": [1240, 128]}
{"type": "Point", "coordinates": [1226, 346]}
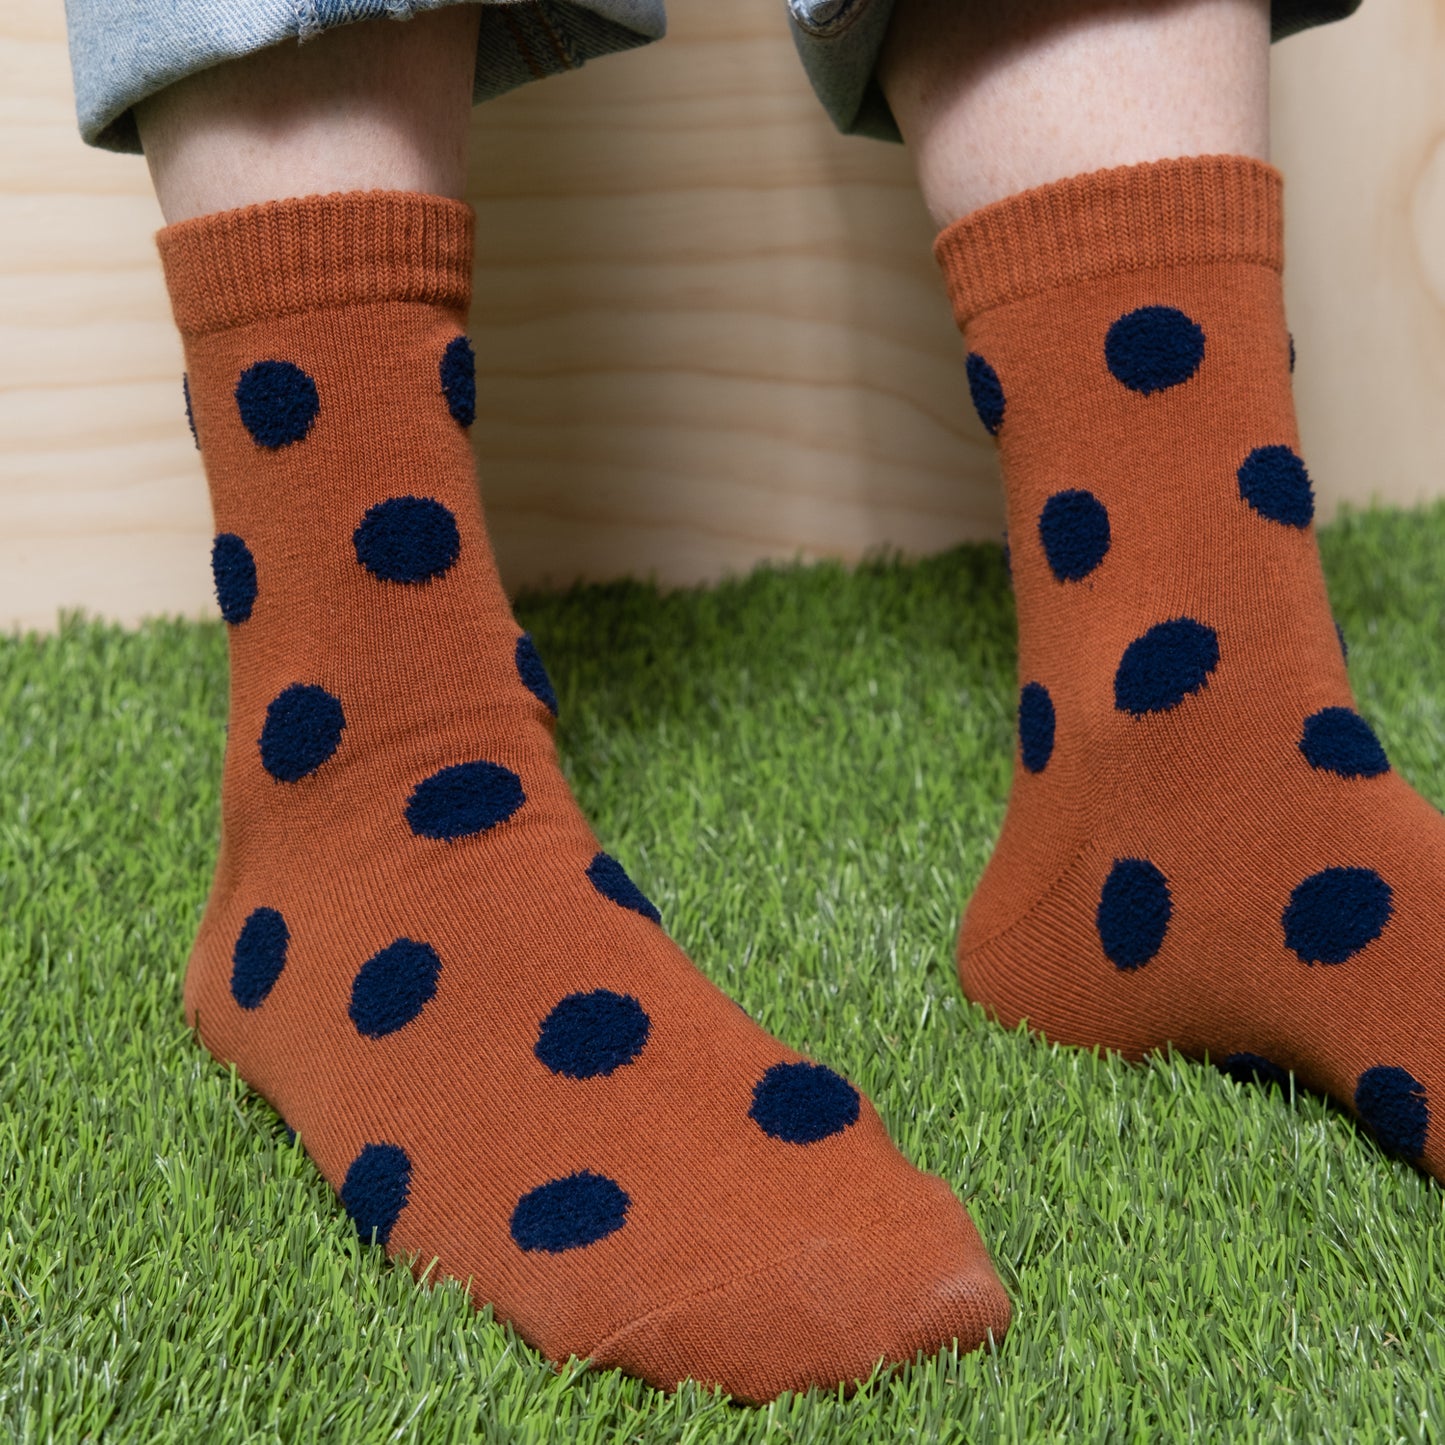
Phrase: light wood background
{"type": "Point", "coordinates": [708, 328]}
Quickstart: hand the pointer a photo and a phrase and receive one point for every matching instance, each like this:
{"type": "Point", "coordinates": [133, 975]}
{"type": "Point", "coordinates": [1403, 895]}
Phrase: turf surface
{"type": "Point", "coordinates": [805, 769]}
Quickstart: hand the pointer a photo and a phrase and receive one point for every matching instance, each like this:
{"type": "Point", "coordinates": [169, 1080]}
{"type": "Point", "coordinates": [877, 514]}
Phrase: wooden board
{"type": "Point", "coordinates": [708, 329]}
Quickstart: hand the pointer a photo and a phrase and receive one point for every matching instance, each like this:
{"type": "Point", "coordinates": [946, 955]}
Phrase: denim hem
{"type": "Point", "coordinates": [122, 51]}
{"type": "Point", "coordinates": [838, 42]}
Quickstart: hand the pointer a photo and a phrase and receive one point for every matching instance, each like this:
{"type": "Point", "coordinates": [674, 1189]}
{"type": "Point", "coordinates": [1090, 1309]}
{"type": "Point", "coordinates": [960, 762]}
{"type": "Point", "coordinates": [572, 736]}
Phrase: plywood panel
{"type": "Point", "coordinates": [708, 329]}
{"type": "Point", "coordinates": [1359, 111]}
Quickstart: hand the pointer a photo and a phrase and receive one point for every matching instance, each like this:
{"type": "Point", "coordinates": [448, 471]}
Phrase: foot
{"type": "Point", "coordinates": [1206, 845]}
{"type": "Point", "coordinates": [415, 948]}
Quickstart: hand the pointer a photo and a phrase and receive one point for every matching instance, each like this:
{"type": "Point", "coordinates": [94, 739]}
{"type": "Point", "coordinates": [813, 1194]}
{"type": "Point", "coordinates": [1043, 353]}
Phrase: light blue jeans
{"type": "Point", "coordinates": [124, 50]}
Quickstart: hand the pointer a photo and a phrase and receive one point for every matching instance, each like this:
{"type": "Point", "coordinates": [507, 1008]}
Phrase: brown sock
{"type": "Point", "coordinates": [414, 947]}
{"type": "Point", "coordinates": [1205, 845]}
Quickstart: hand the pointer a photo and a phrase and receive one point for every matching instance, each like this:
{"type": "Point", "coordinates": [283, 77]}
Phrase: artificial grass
{"type": "Point", "coordinates": [805, 769]}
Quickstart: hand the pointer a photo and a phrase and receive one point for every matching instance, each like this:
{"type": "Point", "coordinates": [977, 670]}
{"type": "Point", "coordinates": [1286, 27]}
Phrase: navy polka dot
{"type": "Point", "coordinates": [569, 1213]}
{"type": "Point", "coordinates": [407, 539]}
{"type": "Point", "coordinates": [1153, 348]}
{"type": "Point", "coordinates": [533, 674]}
{"type": "Point", "coordinates": [803, 1103]}
{"type": "Point", "coordinates": [1036, 726]}
{"type": "Point", "coordinates": [1255, 1069]}
{"type": "Point", "coordinates": [589, 1035]}
{"type": "Point", "coordinates": [233, 569]}
{"type": "Point", "coordinates": [1164, 666]}
{"type": "Point", "coordinates": [259, 957]}
{"type": "Point", "coordinates": [1273, 480]}
{"type": "Point", "coordinates": [1074, 528]}
{"type": "Point", "coordinates": [1392, 1103]}
{"type": "Point", "coordinates": [464, 799]}
{"type": "Point", "coordinates": [302, 730]}
{"type": "Point", "coordinates": [459, 380]}
{"type": "Point", "coordinates": [1339, 740]}
{"type": "Point", "coordinates": [1291, 353]}
{"type": "Point", "coordinates": [375, 1190]}
{"type": "Point", "coordinates": [278, 403]}
{"type": "Point", "coordinates": [393, 986]}
{"type": "Point", "coordinates": [1134, 912]}
{"type": "Point", "coordinates": [610, 879]}
{"type": "Point", "coordinates": [190, 412]}
{"type": "Point", "coordinates": [986, 391]}
{"type": "Point", "coordinates": [1333, 914]}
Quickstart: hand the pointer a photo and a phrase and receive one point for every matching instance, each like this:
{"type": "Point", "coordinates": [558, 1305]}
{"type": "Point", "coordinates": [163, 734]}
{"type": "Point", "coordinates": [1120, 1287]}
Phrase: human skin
{"type": "Point", "coordinates": [992, 96]}
{"type": "Point", "coordinates": [997, 96]}
{"type": "Point", "coordinates": [375, 105]}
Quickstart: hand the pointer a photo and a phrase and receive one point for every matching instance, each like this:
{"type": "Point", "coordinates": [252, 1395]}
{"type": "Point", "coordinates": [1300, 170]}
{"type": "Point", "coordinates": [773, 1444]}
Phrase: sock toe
{"type": "Point", "coordinates": [913, 1283]}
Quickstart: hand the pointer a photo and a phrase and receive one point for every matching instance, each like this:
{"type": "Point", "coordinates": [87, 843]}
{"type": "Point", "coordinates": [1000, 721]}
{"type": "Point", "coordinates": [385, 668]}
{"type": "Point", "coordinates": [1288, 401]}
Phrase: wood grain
{"type": "Point", "coordinates": [708, 329]}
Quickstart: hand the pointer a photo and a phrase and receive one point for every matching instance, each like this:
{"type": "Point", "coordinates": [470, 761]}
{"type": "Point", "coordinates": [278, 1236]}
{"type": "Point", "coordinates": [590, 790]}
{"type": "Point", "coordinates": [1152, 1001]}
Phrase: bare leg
{"type": "Point", "coordinates": [376, 105]}
{"type": "Point", "coordinates": [997, 96]}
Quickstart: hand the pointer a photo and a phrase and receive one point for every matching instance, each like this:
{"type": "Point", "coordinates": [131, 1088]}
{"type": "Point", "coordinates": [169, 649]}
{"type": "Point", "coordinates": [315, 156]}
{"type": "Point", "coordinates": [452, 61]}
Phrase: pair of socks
{"type": "Point", "coordinates": [418, 952]}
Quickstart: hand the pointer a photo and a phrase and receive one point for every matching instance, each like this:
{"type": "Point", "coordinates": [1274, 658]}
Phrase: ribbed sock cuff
{"type": "Point", "coordinates": [1163, 213]}
{"type": "Point", "coordinates": [281, 257]}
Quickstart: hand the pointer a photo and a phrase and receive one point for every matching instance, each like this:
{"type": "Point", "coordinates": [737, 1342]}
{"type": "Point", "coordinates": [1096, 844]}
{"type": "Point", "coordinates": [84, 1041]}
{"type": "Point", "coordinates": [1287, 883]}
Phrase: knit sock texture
{"type": "Point", "coordinates": [414, 946]}
{"type": "Point", "coordinates": [1205, 844]}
